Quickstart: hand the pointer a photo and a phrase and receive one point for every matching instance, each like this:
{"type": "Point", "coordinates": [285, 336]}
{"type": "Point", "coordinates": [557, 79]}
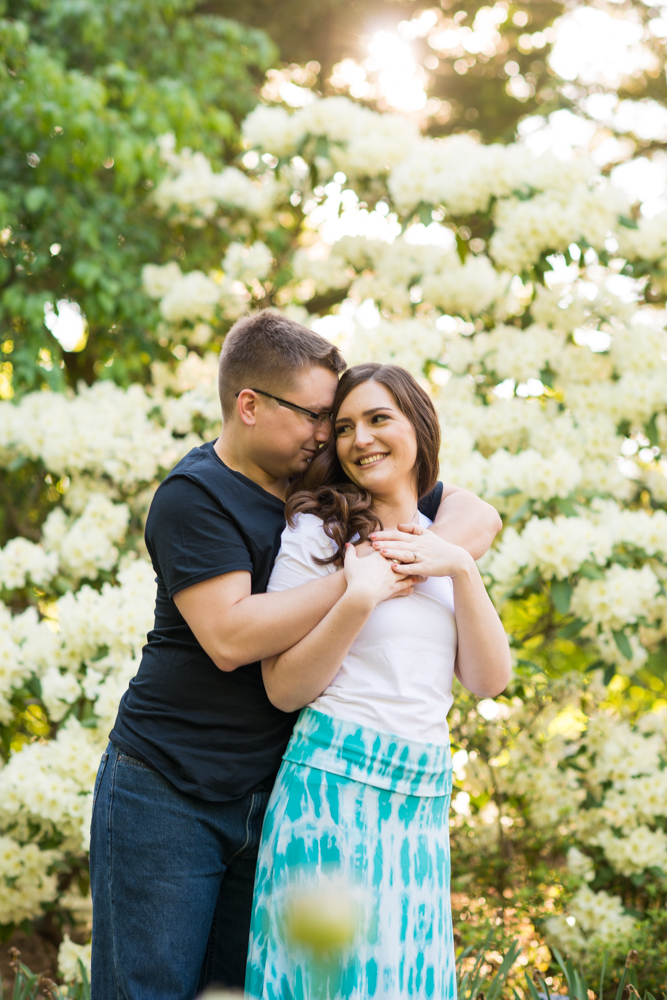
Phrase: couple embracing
{"type": "Point", "coordinates": [287, 727]}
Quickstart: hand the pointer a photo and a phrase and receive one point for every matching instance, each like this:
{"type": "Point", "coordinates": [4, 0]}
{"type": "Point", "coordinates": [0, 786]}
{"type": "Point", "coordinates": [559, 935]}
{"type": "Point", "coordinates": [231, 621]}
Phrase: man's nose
{"type": "Point", "coordinates": [323, 432]}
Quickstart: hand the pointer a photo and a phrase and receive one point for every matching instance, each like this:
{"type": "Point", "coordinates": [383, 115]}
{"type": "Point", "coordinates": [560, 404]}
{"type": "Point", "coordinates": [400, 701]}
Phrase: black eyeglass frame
{"type": "Point", "coordinates": [292, 406]}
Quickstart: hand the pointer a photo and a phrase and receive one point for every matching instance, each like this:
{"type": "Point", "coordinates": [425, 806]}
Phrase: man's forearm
{"type": "Point", "coordinates": [261, 625]}
{"type": "Point", "coordinates": [463, 519]}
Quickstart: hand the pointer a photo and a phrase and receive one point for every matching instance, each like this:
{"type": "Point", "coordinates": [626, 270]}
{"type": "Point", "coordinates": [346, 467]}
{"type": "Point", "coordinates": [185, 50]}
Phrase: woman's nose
{"type": "Point", "coordinates": [363, 436]}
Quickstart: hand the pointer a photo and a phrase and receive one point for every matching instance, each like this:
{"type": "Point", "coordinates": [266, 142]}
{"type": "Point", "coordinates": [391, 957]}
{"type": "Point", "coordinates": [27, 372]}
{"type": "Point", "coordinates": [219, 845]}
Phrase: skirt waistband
{"type": "Point", "coordinates": [369, 756]}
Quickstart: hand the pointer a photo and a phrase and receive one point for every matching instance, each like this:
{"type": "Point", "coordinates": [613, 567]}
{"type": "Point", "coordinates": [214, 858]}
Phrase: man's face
{"type": "Point", "coordinates": [285, 440]}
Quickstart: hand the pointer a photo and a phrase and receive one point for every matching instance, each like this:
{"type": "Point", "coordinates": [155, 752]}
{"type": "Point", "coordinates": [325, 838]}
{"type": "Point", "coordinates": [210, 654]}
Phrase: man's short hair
{"type": "Point", "coordinates": [267, 351]}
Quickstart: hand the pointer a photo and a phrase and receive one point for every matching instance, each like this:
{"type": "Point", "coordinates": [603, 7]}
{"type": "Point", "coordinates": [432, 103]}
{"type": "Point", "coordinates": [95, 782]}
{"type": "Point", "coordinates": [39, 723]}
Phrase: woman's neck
{"type": "Point", "coordinates": [398, 507]}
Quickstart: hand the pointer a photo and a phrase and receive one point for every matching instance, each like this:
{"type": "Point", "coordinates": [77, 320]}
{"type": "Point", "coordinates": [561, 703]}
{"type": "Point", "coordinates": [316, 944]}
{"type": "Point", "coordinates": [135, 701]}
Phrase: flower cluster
{"type": "Point", "coordinates": [587, 786]}
{"type": "Point", "coordinates": [25, 880]}
{"type": "Point", "coordinates": [70, 955]}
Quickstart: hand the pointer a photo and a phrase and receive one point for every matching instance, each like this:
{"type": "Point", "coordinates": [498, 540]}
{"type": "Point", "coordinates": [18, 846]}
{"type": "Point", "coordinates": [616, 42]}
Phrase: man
{"type": "Point", "coordinates": [183, 785]}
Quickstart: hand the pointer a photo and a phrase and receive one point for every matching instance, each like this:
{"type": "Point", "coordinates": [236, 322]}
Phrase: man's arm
{"type": "Point", "coordinates": [235, 627]}
{"type": "Point", "coordinates": [463, 519]}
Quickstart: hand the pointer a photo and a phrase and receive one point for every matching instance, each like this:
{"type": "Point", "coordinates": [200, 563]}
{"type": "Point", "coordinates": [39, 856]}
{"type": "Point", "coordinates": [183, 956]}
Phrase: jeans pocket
{"type": "Point", "coordinates": [125, 758]}
{"type": "Point", "coordinates": [100, 775]}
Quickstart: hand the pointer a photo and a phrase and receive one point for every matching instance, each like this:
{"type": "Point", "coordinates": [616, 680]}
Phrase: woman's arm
{"type": "Point", "coordinates": [483, 660]}
{"type": "Point", "coordinates": [297, 676]}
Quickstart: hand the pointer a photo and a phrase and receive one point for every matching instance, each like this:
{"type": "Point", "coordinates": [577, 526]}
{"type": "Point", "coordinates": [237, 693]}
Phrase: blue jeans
{"type": "Point", "coordinates": [172, 881]}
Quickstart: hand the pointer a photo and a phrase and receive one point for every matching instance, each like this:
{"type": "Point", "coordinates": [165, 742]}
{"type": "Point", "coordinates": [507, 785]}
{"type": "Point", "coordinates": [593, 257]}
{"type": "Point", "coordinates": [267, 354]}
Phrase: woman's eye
{"type": "Point", "coordinates": [342, 429]}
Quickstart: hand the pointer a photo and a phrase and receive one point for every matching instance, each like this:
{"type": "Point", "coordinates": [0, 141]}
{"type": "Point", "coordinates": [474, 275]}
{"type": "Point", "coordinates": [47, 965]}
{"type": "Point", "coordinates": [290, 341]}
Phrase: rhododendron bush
{"type": "Point", "coordinates": [526, 294]}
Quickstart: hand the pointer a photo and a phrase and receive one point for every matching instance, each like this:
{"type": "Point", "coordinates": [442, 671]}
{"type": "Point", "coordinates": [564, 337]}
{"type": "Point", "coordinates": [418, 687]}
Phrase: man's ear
{"type": "Point", "coordinates": [246, 406]}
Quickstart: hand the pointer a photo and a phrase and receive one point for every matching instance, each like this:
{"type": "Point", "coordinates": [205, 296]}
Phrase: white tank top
{"type": "Point", "coordinates": [397, 676]}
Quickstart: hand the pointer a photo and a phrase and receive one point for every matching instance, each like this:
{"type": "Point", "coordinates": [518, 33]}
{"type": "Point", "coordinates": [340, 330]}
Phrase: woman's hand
{"type": "Point", "coordinates": [420, 551]}
{"type": "Point", "coordinates": [371, 580]}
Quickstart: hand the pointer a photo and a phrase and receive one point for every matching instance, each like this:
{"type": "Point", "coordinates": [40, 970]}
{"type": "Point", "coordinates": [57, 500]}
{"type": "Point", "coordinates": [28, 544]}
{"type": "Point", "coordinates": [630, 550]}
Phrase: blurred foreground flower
{"type": "Point", "coordinates": [323, 919]}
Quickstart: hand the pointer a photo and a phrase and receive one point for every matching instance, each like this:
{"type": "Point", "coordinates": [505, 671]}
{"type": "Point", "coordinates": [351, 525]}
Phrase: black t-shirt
{"type": "Point", "coordinates": [213, 734]}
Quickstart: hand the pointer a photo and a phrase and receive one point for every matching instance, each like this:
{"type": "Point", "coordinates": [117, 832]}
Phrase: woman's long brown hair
{"type": "Point", "coordinates": [325, 490]}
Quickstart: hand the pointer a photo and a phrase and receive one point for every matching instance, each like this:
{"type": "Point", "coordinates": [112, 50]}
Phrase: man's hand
{"type": "Point", "coordinates": [371, 581]}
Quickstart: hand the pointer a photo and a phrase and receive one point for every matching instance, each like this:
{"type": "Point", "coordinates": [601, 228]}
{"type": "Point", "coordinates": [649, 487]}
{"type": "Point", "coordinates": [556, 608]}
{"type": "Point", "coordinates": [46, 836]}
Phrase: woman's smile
{"type": "Point", "coordinates": [372, 459]}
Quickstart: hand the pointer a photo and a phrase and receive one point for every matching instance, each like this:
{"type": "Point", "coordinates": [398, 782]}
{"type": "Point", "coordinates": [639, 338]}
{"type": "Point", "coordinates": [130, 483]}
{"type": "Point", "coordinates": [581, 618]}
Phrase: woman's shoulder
{"type": "Point", "coordinates": [303, 543]}
{"type": "Point", "coordinates": [306, 524]}
{"type": "Point", "coordinates": [307, 529]}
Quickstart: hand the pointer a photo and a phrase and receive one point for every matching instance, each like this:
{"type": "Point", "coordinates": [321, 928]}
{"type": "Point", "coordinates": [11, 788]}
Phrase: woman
{"type": "Point", "coordinates": [363, 794]}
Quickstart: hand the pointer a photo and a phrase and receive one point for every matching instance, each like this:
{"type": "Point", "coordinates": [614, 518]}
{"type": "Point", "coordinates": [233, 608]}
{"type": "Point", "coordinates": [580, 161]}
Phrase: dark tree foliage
{"type": "Point", "coordinates": [473, 85]}
{"type": "Point", "coordinates": [330, 30]}
{"type": "Point", "coordinates": [85, 87]}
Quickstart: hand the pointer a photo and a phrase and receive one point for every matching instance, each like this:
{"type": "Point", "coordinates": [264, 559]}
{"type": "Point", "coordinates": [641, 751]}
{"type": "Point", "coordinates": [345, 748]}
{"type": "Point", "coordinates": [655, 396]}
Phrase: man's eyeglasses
{"type": "Point", "coordinates": [318, 418]}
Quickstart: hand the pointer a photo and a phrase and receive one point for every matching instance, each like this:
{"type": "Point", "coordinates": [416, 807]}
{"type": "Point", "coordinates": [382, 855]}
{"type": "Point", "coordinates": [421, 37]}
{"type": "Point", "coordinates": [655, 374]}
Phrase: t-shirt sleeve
{"type": "Point", "coordinates": [190, 538]}
{"type": "Point", "coordinates": [429, 504]}
{"type": "Point", "coordinates": [299, 547]}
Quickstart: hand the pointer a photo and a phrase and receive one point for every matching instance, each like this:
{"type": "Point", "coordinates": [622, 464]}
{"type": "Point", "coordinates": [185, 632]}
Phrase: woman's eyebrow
{"type": "Point", "coordinates": [366, 413]}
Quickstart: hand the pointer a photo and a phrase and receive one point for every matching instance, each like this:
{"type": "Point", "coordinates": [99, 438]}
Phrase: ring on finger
{"type": "Point", "coordinates": [416, 556]}
{"type": "Point", "coordinates": [396, 561]}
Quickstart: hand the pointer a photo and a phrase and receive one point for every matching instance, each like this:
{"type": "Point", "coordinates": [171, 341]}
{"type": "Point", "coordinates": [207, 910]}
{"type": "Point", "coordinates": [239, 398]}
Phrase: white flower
{"type": "Point", "coordinates": [642, 848]}
{"type": "Point", "coordinates": [245, 263]}
{"type": "Point", "coordinates": [622, 596]}
{"type": "Point", "coordinates": [69, 956]}
{"type": "Point", "coordinates": [273, 130]}
{"type": "Point", "coordinates": [21, 560]}
{"type": "Point", "coordinates": [192, 297]}
{"type": "Point", "coordinates": [580, 865]}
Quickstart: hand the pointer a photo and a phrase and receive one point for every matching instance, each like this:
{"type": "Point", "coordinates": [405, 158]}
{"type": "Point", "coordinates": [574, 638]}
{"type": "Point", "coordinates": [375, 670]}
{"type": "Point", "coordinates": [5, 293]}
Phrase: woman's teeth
{"type": "Point", "coordinates": [371, 459]}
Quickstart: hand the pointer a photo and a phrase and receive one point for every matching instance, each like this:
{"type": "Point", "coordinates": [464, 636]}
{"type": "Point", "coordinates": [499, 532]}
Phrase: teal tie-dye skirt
{"type": "Point", "coordinates": [360, 815]}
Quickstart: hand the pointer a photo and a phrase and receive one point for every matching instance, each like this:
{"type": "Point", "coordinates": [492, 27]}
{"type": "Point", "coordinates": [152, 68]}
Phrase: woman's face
{"type": "Point", "coordinates": [375, 442]}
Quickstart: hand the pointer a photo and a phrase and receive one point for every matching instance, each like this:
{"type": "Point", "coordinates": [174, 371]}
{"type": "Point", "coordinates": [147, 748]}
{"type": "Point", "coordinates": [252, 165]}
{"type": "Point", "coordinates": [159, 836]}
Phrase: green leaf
{"type": "Point", "coordinates": [571, 629]}
{"type": "Point", "coordinates": [529, 663]}
{"type": "Point", "coordinates": [651, 430]}
{"type": "Point", "coordinates": [567, 507]}
{"type": "Point", "coordinates": [561, 593]}
{"type": "Point", "coordinates": [36, 198]}
{"type": "Point", "coordinates": [608, 675]}
{"type": "Point", "coordinates": [498, 981]}
{"type": "Point", "coordinates": [591, 571]}
{"type": "Point", "coordinates": [424, 213]}
{"type": "Point", "coordinates": [603, 970]}
{"type": "Point", "coordinates": [621, 985]}
{"type": "Point", "coordinates": [525, 508]}
{"type": "Point", "coordinates": [532, 989]}
{"type": "Point", "coordinates": [628, 223]}
{"type": "Point", "coordinates": [623, 644]}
